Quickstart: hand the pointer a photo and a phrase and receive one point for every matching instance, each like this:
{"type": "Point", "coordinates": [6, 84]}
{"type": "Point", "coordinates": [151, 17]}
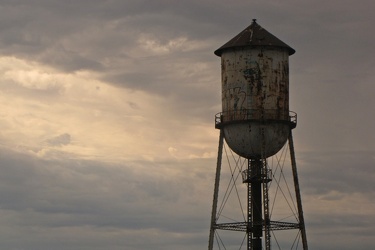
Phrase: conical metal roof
{"type": "Point", "coordinates": [254, 35]}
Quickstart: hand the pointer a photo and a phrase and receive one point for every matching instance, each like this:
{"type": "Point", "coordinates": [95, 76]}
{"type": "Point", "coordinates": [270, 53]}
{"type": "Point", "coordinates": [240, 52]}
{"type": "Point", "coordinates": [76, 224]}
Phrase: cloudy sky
{"type": "Point", "coordinates": [107, 137]}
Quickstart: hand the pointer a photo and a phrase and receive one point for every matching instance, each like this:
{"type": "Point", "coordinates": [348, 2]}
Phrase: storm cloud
{"type": "Point", "coordinates": [107, 108]}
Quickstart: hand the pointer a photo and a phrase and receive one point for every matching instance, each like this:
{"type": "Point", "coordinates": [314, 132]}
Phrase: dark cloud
{"type": "Point", "coordinates": [165, 49]}
{"type": "Point", "coordinates": [53, 195]}
{"type": "Point", "coordinates": [346, 173]}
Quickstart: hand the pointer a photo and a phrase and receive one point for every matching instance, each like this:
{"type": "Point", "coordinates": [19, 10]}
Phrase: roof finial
{"type": "Point", "coordinates": [254, 20]}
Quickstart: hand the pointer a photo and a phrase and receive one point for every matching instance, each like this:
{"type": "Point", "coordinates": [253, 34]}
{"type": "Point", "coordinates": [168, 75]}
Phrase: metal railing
{"type": "Point", "coordinates": [265, 176]}
{"type": "Point", "coordinates": [255, 115]}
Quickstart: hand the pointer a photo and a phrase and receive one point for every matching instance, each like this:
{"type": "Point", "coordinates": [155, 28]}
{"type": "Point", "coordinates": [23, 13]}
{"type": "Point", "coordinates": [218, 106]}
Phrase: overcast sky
{"type": "Point", "coordinates": [107, 137]}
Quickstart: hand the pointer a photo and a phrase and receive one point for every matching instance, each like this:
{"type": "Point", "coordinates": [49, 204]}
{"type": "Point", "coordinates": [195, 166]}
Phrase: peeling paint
{"type": "Point", "coordinates": [255, 98]}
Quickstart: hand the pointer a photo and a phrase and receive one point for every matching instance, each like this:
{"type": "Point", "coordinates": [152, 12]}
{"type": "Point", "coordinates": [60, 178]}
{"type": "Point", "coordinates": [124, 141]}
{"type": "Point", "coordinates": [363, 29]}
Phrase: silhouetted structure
{"type": "Point", "coordinates": [256, 124]}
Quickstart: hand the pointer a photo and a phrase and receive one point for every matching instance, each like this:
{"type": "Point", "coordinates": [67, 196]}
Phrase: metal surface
{"type": "Point", "coordinates": [255, 92]}
{"type": "Point", "coordinates": [266, 210]}
{"type": "Point", "coordinates": [256, 123]}
{"type": "Point", "coordinates": [242, 226]}
{"type": "Point", "coordinates": [245, 138]}
{"type": "Point", "coordinates": [255, 96]}
{"type": "Point", "coordinates": [243, 131]}
{"type": "Point", "coordinates": [298, 193]}
{"type": "Point", "coordinates": [258, 226]}
{"type": "Point", "coordinates": [254, 36]}
{"type": "Point", "coordinates": [216, 192]}
{"type": "Point", "coordinates": [255, 228]}
{"type": "Point", "coordinates": [255, 78]}
{"type": "Point", "coordinates": [224, 118]}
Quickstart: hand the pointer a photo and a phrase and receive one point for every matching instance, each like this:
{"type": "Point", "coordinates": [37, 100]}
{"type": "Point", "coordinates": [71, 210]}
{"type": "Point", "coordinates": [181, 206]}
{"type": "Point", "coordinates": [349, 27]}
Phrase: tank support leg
{"type": "Point", "coordinates": [216, 191]}
{"type": "Point", "coordinates": [298, 193]}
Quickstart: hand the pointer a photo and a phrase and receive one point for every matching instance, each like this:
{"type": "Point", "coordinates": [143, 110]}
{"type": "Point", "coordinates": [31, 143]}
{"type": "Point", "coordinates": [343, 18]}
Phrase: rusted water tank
{"type": "Point", "coordinates": [255, 113]}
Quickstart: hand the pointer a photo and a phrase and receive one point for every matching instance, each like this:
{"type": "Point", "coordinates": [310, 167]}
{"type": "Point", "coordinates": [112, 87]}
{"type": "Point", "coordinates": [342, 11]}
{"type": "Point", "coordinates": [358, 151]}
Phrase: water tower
{"type": "Point", "coordinates": [255, 123]}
